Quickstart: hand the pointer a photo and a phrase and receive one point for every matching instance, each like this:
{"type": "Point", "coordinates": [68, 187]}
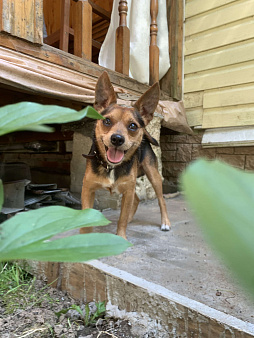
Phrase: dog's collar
{"type": "Point", "coordinates": [95, 155]}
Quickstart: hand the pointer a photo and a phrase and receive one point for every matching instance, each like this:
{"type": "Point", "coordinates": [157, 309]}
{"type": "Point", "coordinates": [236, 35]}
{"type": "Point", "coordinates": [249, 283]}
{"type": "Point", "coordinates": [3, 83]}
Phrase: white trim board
{"type": "Point", "coordinates": [228, 137]}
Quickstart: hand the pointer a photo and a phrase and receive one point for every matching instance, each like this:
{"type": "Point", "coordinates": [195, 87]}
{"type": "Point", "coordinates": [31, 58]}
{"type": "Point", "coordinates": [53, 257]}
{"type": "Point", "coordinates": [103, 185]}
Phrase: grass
{"type": "Point", "coordinates": [17, 288]}
{"type": "Point", "coordinates": [12, 276]}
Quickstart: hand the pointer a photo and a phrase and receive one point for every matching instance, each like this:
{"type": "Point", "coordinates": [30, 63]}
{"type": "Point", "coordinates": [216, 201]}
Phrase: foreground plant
{"type": "Point", "coordinates": [87, 316]}
{"type": "Point", "coordinates": [222, 199]}
{"type": "Point", "coordinates": [34, 116]}
{"type": "Point", "coordinates": [28, 235]}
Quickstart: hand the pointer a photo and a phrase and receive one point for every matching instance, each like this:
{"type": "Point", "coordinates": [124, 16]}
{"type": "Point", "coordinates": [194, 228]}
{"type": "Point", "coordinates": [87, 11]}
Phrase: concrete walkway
{"type": "Point", "coordinates": [179, 260]}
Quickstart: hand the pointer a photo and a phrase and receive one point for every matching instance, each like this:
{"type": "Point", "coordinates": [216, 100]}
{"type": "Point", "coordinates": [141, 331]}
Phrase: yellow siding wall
{"type": "Point", "coordinates": [219, 63]}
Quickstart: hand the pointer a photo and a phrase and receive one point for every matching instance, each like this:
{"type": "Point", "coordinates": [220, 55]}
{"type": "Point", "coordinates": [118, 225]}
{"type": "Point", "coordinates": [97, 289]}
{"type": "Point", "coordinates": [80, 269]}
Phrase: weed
{"type": "Point", "coordinates": [87, 317]}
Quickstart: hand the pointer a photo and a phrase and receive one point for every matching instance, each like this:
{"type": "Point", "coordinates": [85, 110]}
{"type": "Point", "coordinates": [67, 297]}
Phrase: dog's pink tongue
{"type": "Point", "coordinates": [114, 155]}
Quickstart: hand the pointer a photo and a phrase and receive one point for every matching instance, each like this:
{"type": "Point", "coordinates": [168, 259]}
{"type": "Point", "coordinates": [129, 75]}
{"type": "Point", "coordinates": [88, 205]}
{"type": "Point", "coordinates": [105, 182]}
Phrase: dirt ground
{"type": "Point", "coordinates": [39, 318]}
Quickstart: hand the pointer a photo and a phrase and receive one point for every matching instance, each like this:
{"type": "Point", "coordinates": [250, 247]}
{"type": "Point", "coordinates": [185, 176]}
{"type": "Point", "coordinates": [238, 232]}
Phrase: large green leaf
{"type": "Point", "coordinates": [222, 198]}
{"type": "Point", "coordinates": [77, 248]}
{"type": "Point", "coordinates": [26, 235]}
{"type": "Point", "coordinates": [1, 194]}
{"type": "Point", "coordinates": [33, 116]}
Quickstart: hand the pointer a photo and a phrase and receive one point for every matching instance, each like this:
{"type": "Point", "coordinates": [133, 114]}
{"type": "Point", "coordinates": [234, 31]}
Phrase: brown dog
{"type": "Point", "coordinates": [121, 152]}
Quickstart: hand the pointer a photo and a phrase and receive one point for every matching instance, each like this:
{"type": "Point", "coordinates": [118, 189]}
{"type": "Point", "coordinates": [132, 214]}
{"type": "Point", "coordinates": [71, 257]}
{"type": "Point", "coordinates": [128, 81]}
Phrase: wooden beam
{"type": "Point", "coordinates": [58, 57]}
{"type": "Point", "coordinates": [65, 25]}
{"type": "Point", "coordinates": [96, 44]}
{"type": "Point", "coordinates": [122, 51]}
{"type": "Point", "coordinates": [106, 15]}
{"type": "Point", "coordinates": [23, 19]}
{"type": "Point", "coordinates": [172, 81]}
{"type": "Point", "coordinates": [82, 23]}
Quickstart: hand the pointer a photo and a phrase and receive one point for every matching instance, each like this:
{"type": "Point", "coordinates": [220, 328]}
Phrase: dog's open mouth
{"type": "Point", "coordinates": [114, 155]}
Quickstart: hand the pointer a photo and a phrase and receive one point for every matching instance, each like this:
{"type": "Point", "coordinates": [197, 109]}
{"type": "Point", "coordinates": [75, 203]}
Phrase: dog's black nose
{"type": "Point", "coordinates": [117, 140]}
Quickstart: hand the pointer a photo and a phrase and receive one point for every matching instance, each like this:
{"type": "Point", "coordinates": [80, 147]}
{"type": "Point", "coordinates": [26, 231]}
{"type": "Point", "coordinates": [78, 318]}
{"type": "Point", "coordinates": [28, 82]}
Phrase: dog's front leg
{"type": "Point", "coordinates": [87, 199]}
{"type": "Point", "coordinates": [127, 205]}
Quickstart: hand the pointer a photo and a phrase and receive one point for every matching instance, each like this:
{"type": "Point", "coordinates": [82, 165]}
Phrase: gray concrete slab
{"type": "Point", "coordinates": [179, 260]}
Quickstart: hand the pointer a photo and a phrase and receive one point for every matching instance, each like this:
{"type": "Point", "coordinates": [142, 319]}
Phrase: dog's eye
{"type": "Point", "coordinates": [133, 127]}
{"type": "Point", "coordinates": [107, 122]}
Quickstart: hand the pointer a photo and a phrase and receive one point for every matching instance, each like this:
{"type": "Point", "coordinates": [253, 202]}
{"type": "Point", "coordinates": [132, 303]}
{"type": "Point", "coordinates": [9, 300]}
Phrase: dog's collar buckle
{"type": "Point", "coordinates": [105, 165]}
{"type": "Point", "coordinates": [108, 168]}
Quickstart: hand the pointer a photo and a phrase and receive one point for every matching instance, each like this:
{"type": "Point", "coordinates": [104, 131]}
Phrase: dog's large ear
{"type": "Point", "coordinates": [147, 103]}
{"type": "Point", "coordinates": [104, 93]}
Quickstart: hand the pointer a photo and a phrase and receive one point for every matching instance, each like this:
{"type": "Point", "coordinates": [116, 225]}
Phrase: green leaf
{"type": "Point", "coordinates": [41, 129]}
{"type": "Point", "coordinates": [76, 248]}
{"type": "Point", "coordinates": [24, 236]}
{"type": "Point", "coordinates": [32, 116]}
{"type": "Point", "coordinates": [78, 309]}
{"type": "Point", "coordinates": [1, 194]}
{"type": "Point", "coordinates": [93, 114]}
{"type": "Point", "coordinates": [73, 307]}
{"type": "Point", "coordinates": [222, 198]}
{"type": "Point", "coordinates": [62, 312]}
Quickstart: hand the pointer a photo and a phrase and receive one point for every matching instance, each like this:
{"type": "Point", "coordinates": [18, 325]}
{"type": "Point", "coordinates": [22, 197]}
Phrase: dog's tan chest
{"type": "Point", "coordinates": [109, 182]}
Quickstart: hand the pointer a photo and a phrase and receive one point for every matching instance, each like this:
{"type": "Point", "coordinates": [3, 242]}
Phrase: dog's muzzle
{"type": "Point", "coordinates": [117, 140]}
{"type": "Point", "coordinates": [114, 154]}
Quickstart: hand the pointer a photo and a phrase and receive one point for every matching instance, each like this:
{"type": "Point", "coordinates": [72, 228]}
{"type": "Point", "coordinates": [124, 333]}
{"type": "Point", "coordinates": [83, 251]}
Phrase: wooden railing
{"type": "Point", "coordinates": [123, 42]}
{"type": "Point", "coordinates": [82, 32]}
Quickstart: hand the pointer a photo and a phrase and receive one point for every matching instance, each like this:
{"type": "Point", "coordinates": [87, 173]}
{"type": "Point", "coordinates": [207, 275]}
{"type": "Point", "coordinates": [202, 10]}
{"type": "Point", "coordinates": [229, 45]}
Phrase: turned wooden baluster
{"type": "Point", "coordinates": [122, 52]}
{"type": "Point", "coordinates": [153, 48]}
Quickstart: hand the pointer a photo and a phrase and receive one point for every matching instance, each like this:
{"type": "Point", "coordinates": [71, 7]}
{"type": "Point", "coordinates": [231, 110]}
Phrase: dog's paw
{"type": "Point", "coordinates": [165, 227]}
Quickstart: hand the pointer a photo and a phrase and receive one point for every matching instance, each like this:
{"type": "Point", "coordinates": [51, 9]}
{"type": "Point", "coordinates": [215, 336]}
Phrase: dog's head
{"type": "Point", "coordinates": [120, 134]}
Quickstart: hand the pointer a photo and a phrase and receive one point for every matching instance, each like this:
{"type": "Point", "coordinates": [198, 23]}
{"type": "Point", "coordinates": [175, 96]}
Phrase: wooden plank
{"type": "Point", "coordinates": [23, 19]}
{"type": "Point", "coordinates": [96, 44]}
{"type": "Point", "coordinates": [65, 25]}
{"type": "Point", "coordinates": [226, 55]}
{"type": "Point", "coordinates": [242, 115]}
{"type": "Point", "coordinates": [222, 16]}
{"type": "Point", "coordinates": [194, 116]}
{"type": "Point", "coordinates": [60, 58]}
{"type": "Point", "coordinates": [82, 25]}
{"type": "Point", "coordinates": [106, 15]}
{"type": "Point", "coordinates": [195, 7]}
{"type": "Point", "coordinates": [52, 15]}
{"type": "Point", "coordinates": [223, 97]}
{"type": "Point", "coordinates": [223, 77]}
{"type": "Point", "coordinates": [237, 32]}
{"type": "Point", "coordinates": [172, 80]}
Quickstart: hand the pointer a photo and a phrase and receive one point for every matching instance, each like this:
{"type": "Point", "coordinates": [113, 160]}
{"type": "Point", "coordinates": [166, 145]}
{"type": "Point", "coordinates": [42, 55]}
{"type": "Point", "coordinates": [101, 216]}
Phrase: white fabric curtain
{"type": "Point", "coordinates": [138, 21]}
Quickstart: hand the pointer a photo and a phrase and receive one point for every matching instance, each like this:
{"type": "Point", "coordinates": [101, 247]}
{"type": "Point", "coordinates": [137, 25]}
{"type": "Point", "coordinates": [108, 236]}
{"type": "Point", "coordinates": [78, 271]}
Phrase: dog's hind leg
{"type": "Point", "coordinates": [134, 208]}
{"type": "Point", "coordinates": [155, 178]}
